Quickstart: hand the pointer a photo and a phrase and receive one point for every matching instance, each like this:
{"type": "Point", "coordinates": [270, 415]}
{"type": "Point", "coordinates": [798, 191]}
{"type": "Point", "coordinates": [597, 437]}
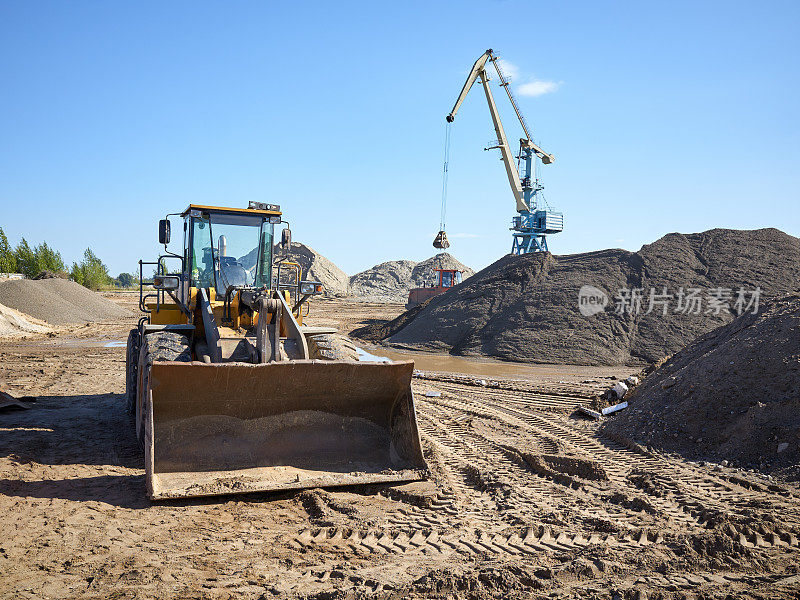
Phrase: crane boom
{"type": "Point", "coordinates": [526, 141]}
{"type": "Point", "coordinates": [502, 144]}
{"type": "Point", "coordinates": [478, 71]}
{"type": "Point", "coordinates": [533, 223]}
{"type": "Point", "coordinates": [477, 68]}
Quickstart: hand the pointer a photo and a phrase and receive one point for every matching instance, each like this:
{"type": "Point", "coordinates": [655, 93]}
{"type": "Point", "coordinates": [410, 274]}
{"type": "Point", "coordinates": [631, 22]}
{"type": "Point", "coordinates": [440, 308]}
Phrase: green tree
{"type": "Point", "coordinates": [8, 262]}
{"type": "Point", "coordinates": [126, 280]}
{"type": "Point", "coordinates": [90, 272]}
{"type": "Point", "coordinates": [26, 259]}
{"type": "Point", "coordinates": [76, 273]}
{"type": "Point", "coordinates": [48, 259]}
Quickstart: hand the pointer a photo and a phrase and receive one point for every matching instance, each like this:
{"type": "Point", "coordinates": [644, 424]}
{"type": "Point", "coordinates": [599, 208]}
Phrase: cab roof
{"type": "Point", "coordinates": [269, 212]}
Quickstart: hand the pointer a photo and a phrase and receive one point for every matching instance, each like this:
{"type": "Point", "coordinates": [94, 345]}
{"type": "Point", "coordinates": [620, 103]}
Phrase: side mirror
{"type": "Point", "coordinates": [163, 231]}
{"type": "Point", "coordinates": [286, 239]}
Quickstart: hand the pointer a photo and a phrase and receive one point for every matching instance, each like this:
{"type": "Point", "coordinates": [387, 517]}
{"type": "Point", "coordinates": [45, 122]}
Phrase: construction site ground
{"type": "Point", "coordinates": [526, 500]}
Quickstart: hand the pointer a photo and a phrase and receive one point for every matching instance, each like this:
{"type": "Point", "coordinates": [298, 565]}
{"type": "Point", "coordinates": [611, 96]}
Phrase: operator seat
{"type": "Point", "coordinates": [231, 273]}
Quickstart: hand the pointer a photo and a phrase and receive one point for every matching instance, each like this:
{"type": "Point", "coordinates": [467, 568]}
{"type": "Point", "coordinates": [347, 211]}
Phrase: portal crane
{"type": "Point", "coordinates": [533, 223]}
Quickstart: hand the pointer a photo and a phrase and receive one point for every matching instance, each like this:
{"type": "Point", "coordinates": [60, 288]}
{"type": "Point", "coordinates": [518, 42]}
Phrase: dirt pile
{"type": "Point", "coordinates": [733, 394]}
{"type": "Point", "coordinates": [16, 324]}
{"type": "Point", "coordinates": [424, 274]}
{"type": "Point", "coordinates": [58, 301]}
{"type": "Point", "coordinates": [318, 268]}
{"type": "Point", "coordinates": [386, 282]}
{"type": "Point", "coordinates": [391, 281]}
{"type": "Point", "coordinates": [527, 307]}
{"type": "Point", "coordinates": [314, 266]}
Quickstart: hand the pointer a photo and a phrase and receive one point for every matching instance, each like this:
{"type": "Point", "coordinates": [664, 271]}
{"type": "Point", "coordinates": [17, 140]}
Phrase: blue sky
{"type": "Point", "coordinates": [668, 116]}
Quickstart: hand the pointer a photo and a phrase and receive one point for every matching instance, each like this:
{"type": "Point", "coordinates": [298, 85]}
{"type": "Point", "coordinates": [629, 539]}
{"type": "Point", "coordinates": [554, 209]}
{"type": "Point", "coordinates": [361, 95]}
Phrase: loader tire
{"type": "Point", "coordinates": [331, 346]}
{"type": "Point", "coordinates": [157, 346]}
{"type": "Point", "coordinates": [131, 368]}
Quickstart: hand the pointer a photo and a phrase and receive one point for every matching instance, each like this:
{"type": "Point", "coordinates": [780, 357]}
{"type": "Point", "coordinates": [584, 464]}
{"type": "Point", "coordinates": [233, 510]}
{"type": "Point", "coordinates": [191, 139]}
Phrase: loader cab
{"type": "Point", "coordinates": [448, 278]}
{"type": "Point", "coordinates": [445, 279]}
{"type": "Point", "coordinates": [229, 247]}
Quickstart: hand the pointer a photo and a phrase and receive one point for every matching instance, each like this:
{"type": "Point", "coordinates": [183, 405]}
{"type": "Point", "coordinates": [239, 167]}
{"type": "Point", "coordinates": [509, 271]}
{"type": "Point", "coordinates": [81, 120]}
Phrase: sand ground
{"type": "Point", "coordinates": [526, 500]}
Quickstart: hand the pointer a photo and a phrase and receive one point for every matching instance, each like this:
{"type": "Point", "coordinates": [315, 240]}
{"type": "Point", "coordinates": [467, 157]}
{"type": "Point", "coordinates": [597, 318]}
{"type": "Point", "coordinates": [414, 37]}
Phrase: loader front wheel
{"type": "Point", "coordinates": [131, 367]}
{"type": "Point", "coordinates": [331, 346]}
{"type": "Point", "coordinates": [156, 346]}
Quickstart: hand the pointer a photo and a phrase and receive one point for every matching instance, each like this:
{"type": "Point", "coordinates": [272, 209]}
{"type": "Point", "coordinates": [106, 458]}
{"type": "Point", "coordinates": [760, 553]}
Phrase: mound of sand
{"type": "Point", "coordinates": [424, 274]}
{"type": "Point", "coordinates": [16, 324]}
{"type": "Point", "coordinates": [733, 394]}
{"type": "Point", "coordinates": [391, 281]}
{"type": "Point", "coordinates": [386, 282]}
{"type": "Point", "coordinates": [58, 301]}
{"type": "Point", "coordinates": [314, 266]}
{"type": "Point", "coordinates": [318, 268]}
{"type": "Point", "coordinates": [526, 307]}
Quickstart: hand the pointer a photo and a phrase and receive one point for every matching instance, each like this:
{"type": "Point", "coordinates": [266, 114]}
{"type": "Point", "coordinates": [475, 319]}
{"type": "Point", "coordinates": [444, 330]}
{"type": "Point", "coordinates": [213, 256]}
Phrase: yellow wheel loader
{"type": "Point", "coordinates": [229, 390]}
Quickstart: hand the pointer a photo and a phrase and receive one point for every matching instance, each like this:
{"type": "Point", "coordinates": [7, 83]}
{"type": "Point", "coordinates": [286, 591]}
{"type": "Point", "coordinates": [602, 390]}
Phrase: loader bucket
{"type": "Point", "coordinates": [213, 429]}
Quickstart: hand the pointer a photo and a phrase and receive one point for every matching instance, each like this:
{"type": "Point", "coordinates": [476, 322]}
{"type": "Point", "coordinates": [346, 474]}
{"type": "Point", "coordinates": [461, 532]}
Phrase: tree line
{"type": "Point", "coordinates": [90, 272]}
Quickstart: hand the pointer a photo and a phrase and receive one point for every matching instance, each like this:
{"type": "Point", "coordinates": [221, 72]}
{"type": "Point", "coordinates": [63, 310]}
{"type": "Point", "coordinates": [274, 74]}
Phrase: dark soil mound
{"type": "Point", "coordinates": [380, 331]}
{"type": "Point", "coordinates": [733, 394]}
{"type": "Point", "coordinates": [58, 301]}
{"type": "Point", "coordinates": [526, 307]}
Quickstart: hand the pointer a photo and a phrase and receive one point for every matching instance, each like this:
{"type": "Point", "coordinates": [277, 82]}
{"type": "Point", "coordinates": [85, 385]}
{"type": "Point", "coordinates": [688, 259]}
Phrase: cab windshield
{"type": "Point", "coordinates": [447, 279]}
{"type": "Point", "coordinates": [231, 250]}
{"type": "Point", "coordinates": [450, 278]}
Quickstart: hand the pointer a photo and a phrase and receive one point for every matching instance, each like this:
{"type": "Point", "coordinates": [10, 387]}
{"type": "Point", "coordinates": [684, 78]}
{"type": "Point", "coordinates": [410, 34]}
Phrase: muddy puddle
{"type": "Point", "coordinates": [487, 367]}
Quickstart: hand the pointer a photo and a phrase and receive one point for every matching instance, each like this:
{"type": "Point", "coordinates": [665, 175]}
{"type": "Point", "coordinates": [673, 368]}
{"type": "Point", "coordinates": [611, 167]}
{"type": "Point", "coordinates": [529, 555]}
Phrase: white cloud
{"type": "Point", "coordinates": [532, 87]}
{"type": "Point", "coordinates": [537, 87]}
{"type": "Point", "coordinates": [510, 70]}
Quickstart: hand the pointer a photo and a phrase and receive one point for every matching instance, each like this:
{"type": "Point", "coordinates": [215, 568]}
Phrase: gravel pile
{"type": "Point", "coordinates": [733, 394]}
{"type": "Point", "coordinates": [391, 281]}
{"type": "Point", "coordinates": [318, 268]}
{"type": "Point", "coordinates": [386, 282]}
{"type": "Point", "coordinates": [526, 308]}
{"type": "Point", "coordinates": [315, 267]}
{"type": "Point", "coordinates": [424, 274]}
{"type": "Point", "coordinates": [58, 301]}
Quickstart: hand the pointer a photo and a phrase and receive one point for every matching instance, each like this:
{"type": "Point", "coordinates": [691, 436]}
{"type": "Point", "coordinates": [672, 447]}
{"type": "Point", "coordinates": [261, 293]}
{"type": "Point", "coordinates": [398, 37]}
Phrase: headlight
{"type": "Point", "coordinates": [166, 282]}
{"type": "Point", "coordinates": [263, 206]}
{"type": "Point", "coordinates": [310, 288]}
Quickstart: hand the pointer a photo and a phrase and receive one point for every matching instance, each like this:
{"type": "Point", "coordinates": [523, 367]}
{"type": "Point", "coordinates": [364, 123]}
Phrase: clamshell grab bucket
{"type": "Point", "coordinates": [225, 428]}
{"type": "Point", "coordinates": [441, 242]}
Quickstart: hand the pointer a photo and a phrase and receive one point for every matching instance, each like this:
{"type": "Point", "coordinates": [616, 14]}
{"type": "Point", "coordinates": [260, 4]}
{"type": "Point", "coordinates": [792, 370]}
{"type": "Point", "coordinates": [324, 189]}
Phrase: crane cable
{"type": "Point", "coordinates": [443, 215]}
{"type": "Point", "coordinates": [537, 169]}
{"type": "Point", "coordinates": [440, 242]}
